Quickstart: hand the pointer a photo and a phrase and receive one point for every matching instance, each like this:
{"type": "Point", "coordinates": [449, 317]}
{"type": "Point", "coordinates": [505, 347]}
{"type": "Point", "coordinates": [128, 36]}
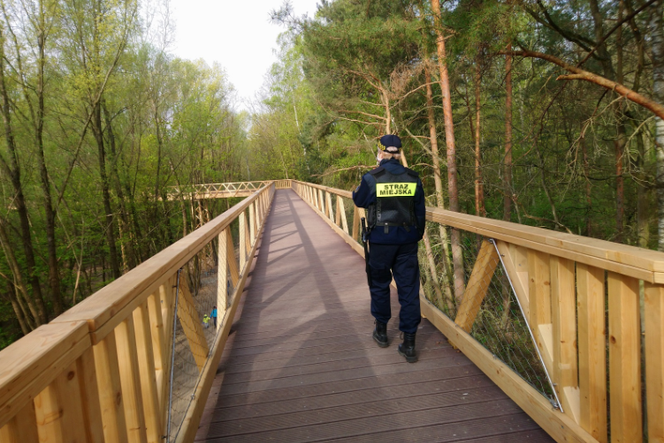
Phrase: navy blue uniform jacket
{"type": "Point", "coordinates": [365, 194]}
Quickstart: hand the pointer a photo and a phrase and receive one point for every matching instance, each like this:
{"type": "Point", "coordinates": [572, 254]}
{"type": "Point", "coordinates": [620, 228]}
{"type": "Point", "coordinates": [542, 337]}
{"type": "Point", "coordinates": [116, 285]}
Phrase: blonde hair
{"type": "Point", "coordinates": [384, 155]}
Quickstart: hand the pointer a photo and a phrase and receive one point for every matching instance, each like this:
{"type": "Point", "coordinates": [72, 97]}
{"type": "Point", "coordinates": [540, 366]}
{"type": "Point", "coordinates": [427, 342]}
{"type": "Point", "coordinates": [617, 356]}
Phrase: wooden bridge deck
{"type": "Point", "coordinates": [301, 365]}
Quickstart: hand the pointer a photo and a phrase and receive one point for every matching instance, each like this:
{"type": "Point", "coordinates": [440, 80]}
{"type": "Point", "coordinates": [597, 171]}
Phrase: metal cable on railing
{"type": "Point", "coordinates": [489, 309]}
{"type": "Point", "coordinates": [198, 321]}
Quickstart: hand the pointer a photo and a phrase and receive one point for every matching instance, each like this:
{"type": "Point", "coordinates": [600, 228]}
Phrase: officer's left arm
{"type": "Point", "coordinates": [363, 195]}
{"type": "Point", "coordinates": [420, 208]}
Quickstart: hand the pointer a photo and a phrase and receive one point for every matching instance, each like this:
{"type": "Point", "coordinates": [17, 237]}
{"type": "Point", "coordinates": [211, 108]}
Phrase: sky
{"type": "Point", "coordinates": [236, 34]}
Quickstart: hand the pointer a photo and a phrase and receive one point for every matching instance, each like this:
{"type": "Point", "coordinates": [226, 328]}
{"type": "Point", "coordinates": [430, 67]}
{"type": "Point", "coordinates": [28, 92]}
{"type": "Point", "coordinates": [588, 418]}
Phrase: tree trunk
{"type": "Point", "coordinates": [438, 183]}
{"type": "Point", "coordinates": [109, 225]}
{"type": "Point", "coordinates": [507, 161]}
{"type": "Point", "coordinates": [457, 252]}
{"type": "Point", "coordinates": [129, 257]}
{"type": "Point", "coordinates": [51, 239]}
{"type": "Point", "coordinates": [642, 206]}
{"type": "Point", "coordinates": [479, 187]}
{"type": "Point", "coordinates": [14, 172]}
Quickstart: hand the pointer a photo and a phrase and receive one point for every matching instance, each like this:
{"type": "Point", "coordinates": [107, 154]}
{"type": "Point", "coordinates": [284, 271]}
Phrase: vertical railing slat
{"type": "Point", "coordinates": [539, 289]}
{"type": "Point", "coordinates": [110, 390]}
{"type": "Point", "coordinates": [563, 314]}
{"type": "Point", "coordinates": [59, 411]}
{"type": "Point", "coordinates": [158, 344]}
{"type": "Point", "coordinates": [592, 350]}
{"type": "Point", "coordinates": [624, 359]}
{"type": "Point", "coordinates": [130, 381]}
{"type": "Point", "coordinates": [243, 240]}
{"type": "Point", "coordinates": [342, 211]}
{"type": "Point", "coordinates": [222, 273]}
{"type": "Point", "coordinates": [22, 428]}
{"type": "Point", "coordinates": [146, 365]}
{"type": "Point", "coordinates": [654, 355]}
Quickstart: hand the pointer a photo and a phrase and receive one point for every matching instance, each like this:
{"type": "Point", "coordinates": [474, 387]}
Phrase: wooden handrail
{"type": "Point", "coordinates": [571, 287]}
{"type": "Point", "coordinates": [99, 372]}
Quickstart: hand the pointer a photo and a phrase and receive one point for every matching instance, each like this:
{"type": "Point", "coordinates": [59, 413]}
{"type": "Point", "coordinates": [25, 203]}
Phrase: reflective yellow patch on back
{"type": "Point", "coordinates": [395, 189]}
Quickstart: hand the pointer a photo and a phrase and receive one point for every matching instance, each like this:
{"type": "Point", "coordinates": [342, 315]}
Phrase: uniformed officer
{"type": "Point", "coordinates": [394, 199]}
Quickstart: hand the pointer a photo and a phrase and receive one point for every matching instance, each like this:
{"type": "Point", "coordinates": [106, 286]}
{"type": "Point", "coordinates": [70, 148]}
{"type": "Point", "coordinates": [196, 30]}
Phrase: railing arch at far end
{"type": "Point", "coordinates": [102, 370]}
{"type": "Point", "coordinates": [595, 310]}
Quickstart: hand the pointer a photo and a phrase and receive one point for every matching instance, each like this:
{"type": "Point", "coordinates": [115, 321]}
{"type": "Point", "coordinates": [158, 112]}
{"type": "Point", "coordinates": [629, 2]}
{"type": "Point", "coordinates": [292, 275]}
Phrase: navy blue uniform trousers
{"type": "Point", "coordinates": [399, 261]}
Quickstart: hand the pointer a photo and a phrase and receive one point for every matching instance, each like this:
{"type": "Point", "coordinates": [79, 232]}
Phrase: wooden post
{"type": "Point", "coordinates": [146, 366]}
{"type": "Point", "coordinates": [252, 224]}
{"type": "Point", "coordinates": [158, 344]}
{"type": "Point", "coordinates": [129, 378]}
{"type": "Point", "coordinates": [480, 278]}
{"type": "Point", "coordinates": [58, 410]}
{"type": "Point", "coordinates": [222, 272]}
{"type": "Point", "coordinates": [191, 324]}
{"type": "Point", "coordinates": [654, 353]}
{"type": "Point", "coordinates": [232, 261]}
{"type": "Point", "coordinates": [563, 314]}
{"type": "Point", "coordinates": [110, 390]}
{"type": "Point", "coordinates": [330, 209]}
{"type": "Point", "coordinates": [539, 290]}
{"type": "Point", "coordinates": [243, 239]}
{"type": "Point", "coordinates": [341, 212]}
{"type": "Point", "coordinates": [624, 359]}
{"type": "Point", "coordinates": [592, 351]}
{"type": "Point", "coordinates": [22, 428]}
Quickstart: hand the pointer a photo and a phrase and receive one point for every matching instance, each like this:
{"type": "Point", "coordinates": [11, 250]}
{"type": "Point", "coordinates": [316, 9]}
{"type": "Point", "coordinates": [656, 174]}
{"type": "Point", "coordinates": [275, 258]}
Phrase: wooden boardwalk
{"type": "Point", "coordinates": [301, 365]}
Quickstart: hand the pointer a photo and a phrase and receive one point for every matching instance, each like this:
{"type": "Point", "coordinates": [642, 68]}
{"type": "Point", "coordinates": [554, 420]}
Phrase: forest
{"type": "Point", "coordinates": [540, 112]}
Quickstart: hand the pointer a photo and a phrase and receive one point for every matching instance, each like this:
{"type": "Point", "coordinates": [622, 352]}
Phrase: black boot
{"type": "Point", "coordinates": [380, 334]}
{"type": "Point", "coordinates": [407, 348]}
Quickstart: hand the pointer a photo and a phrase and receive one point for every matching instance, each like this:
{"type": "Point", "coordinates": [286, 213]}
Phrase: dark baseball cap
{"type": "Point", "coordinates": [390, 141]}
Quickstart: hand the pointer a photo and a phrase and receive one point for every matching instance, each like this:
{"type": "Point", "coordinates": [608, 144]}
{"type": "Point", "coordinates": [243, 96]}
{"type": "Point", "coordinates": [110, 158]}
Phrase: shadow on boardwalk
{"type": "Point", "coordinates": [301, 365]}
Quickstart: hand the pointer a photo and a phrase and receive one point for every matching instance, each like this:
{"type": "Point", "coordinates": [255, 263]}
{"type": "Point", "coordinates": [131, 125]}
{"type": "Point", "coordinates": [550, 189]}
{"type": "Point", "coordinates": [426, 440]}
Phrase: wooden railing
{"type": "Point", "coordinates": [100, 371]}
{"type": "Point", "coordinates": [583, 300]}
{"type": "Point", "coordinates": [216, 190]}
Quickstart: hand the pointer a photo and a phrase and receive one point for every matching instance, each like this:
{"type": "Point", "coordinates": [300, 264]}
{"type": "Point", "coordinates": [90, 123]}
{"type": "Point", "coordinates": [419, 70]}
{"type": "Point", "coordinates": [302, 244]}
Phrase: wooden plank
{"type": "Point", "coordinates": [130, 381]}
{"type": "Point", "coordinates": [510, 260]}
{"type": "Point", "coordinates": [167, 295]}
{"type": "Point", "coordinates": [356, 224]}
{"type": "Point", "coordinates": [32, 363]}
{"type": "Point", "coordinates": [654, 355]}
{"type": "Point", "coordinates": [222, 272]}
{"type": "Point", "coordinates": [147, 373]}
{"type": "Point", "coordinates": [592, 350]}
{"type": "Point", "coordinates": [624, 359]}
{"type": "Point", "coordinates": [110, 390]}
{"type": "Point", "coordinates": [91, 403]}
{"type": "Point", "coordinates": [330, 208]}
{"type": "Point", "coordinates": [22, 428]}
{"type": "Point", "coordinates": [191, 324]}
{"type": "Point", "coordinates": [252, 223]}
{"type": "Point", "coordinates": [539, 290]}
{"type": "Point", "coordinates": [232, 261]}
{"type": "Point", "coordinates": [59, 410]}
{"type": "Point", "coordinates": [157, 333]}
{"type": "Point", "coordinates": [342, 211]}
{"type": "Point", "coordinates": [563, 313]}
{"type": "Point", "coordinates": [478, 284]}
{"type": "Point", "coordinates": [556, 424]}
{"type": "Point", "coordinates": [243, 240]}
{"type": "Point", "coordinates": [339, 204]}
